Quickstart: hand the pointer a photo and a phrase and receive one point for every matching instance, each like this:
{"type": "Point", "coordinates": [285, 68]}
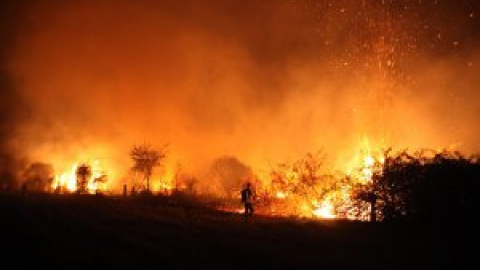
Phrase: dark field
{"type": "Point", "coordinates": [176, 232]}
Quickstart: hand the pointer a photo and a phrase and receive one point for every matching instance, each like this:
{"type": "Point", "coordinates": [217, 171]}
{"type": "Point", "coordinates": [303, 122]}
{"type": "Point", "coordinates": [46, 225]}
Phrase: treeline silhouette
{"type": "Point", "coordinates": [424, 185]}
{"type": "Point", "coordinates": [420, 185]}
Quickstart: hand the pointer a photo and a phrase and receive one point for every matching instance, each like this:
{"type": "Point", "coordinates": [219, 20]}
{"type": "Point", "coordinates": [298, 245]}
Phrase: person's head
{"type": "Point", "coordinates": [249, 184]}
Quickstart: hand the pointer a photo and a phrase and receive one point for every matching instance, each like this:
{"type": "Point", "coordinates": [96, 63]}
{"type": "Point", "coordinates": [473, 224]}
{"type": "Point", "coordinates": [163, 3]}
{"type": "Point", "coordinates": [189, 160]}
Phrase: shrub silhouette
{"type": "Point", "coordinates": [425, 185]}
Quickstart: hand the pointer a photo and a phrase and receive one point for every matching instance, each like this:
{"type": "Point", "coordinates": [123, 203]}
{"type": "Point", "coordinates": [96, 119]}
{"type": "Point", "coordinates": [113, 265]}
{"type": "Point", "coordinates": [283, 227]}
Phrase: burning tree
{"type": "Point", "coordinates": [83, 173]}
{"type": "Point", "coordinates": [300, 188]}
{"type": "Point", "coordinates": [146, 158]}
{"type": "Point", "coordinates": [301, 176]}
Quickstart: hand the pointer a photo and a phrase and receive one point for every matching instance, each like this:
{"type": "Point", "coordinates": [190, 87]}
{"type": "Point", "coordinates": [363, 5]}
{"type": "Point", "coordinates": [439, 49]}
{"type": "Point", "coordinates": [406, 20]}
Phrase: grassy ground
{"type": "Point", "coordinates": [73, 232]}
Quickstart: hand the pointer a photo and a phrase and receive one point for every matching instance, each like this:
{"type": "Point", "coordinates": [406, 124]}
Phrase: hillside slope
{"type": "Point", "coordinates": [75, 232]}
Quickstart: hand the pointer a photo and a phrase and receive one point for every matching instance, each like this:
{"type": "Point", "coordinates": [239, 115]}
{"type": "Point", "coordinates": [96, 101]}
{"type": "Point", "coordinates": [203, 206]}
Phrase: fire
{"type": "Point", "coordinates": [162, 187]}
{"type": "Point", "coordinates": [367, 171]}
{"type": "Point", "coordinates": [362, 170]}
{"type": "Point", "coordinates": [167, 181]}
{"type": "Point", "coordinates": [295, 189]}
{"type": "Point", "coordinates": [325, 210]}
{"type": "Point", "coordinates": [67, 181]}
{"type": "Point", "coordinates": [281, 195]}
{"type": "Point", "coordinates": [369, 161]}
{"type": "Point", "coordinates": [301, 189]}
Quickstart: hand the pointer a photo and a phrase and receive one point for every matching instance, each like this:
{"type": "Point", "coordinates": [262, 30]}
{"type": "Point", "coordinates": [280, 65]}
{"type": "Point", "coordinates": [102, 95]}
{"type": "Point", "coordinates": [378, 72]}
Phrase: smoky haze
{"type": "Point", "coordinates": [12, 108]}
{"type": "Point", "coordinates": [263, 81]}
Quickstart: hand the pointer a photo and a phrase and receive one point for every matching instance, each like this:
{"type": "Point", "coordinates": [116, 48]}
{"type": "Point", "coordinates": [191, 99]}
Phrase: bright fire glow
{"type": "Point", "coordinates": [318, 199]}
{"type": "Point", "coordinates": [67, 181]}
{"type": "Point", "coordinates": [325, 210]}
{"type": "Point", "coordinates": [299, 192]}
{"type": "Point", "coordinates": [281, 195]}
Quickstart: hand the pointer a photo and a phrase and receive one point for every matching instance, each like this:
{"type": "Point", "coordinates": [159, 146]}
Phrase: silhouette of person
{"type": "Point", "coordinates": [247, 199]}
{"type": "Point", "coordinates": [24, 189]}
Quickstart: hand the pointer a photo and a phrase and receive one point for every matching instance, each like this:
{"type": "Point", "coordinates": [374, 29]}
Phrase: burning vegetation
{"type": "Point", "coordinates": [246, 91]}
{"type": "Point", "coordinates": [82, 178]}
{"type": "Point", "coordinates": [385, 186]}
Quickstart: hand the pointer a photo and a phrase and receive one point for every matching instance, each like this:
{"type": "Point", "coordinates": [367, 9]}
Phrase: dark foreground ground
{"type": "Point", "coordinates": [91, 232]}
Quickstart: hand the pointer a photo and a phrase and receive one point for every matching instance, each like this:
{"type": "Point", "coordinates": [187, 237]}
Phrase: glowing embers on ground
{"type": "Point", "coordinates": [81, 177]}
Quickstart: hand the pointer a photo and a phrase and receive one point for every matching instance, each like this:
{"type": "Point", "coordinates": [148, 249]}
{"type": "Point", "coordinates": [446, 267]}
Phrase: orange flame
{"type": "Point", "coordinates": [67, 181]}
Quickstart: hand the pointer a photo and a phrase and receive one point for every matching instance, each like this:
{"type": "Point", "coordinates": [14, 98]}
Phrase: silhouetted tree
{"type": "Point", "coordinates": [227, 175]}
{"type": "Point", "coordinates": [99, 181]}
{"type": "Point", "coordinates": [423, 185]}
{"type": "Point", "coordinates": [145, 159]}
{"type": "Point", "coordinates": [448, 187]}
{"type": "Point", "coordinates": [83, 173]}
{"type": "Point", "coordinates": [38, 176]}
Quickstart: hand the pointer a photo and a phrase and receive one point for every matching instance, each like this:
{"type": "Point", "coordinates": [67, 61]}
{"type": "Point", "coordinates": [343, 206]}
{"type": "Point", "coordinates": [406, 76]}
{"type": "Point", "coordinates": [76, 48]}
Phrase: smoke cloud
{"type": "Point", "coordinates": [262, 81]}
{"type": "Point", "coordinates": [12, 108]}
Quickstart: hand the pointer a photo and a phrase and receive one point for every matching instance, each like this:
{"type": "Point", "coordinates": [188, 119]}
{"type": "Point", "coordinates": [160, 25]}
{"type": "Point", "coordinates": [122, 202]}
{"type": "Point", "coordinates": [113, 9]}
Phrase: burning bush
{"type": "Point", "coordinates": [301, 188]}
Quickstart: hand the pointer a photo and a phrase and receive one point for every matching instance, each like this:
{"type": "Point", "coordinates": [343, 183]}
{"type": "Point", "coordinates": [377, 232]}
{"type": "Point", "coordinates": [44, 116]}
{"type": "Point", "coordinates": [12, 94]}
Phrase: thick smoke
{"type": "Point", "coordinates": [11, 105]}
{"type": "Point", "coordinates": [263, 81]}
